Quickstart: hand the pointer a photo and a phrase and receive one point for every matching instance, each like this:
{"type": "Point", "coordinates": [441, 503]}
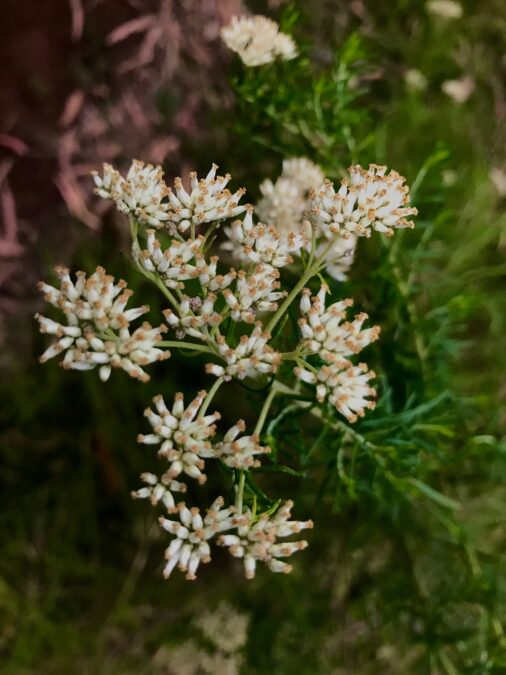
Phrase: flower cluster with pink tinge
{"type": "Point", "coordinates": [253, 539]}
{"type": "Point", "coordinates": [97, 329]}
{"type": "Point", "coordinates": [144, 195]}
{"type": "Point", "coordinates": [184, 436]}
{"type": "Point", "coordinates": [369, 199]}
{"type": "Point", "coordinates": [327, 333]}
{"type": "Point", "coordinates": [227, 313]}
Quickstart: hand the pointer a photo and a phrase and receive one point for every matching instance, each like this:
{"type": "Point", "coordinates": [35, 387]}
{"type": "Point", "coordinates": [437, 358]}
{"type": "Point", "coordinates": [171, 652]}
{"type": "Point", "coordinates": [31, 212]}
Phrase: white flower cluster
{"type": "Point", "coordinates": [459, 90]}
{"type": "Point", "coordinates": [252, 356]}
{"type": "Point", "coordinates": [140, 194]}
{"type": "Point", "coordinates": [326, 333]}
{"type": "Point", "coordinates": [447, 9]}
{"type": "Point", "coordinates": [144, 195]}
{"type": "Point", "coordinates": [261, 243]}
{"type": "Point", "coordinates": [239, 453]}
{"type": "Point", "coordinates": [346, 386]}
{"type": "Point", "coordinates": [207, 201]}
{"type": "Point", "coordinates": [225, 627]}
{"type": "Point", "coordinates": [258, 40]}
{"type": "Point", "coordinates": [284, 205]}
{"type": "Point", "coordinates": [190, 545]}
{"type": "Point", "coordinates": [241, 296]}
{"type": "Point", "coordinates": [256, 539]}
{"type": "Point", "coordinates": [368, 199]}
{"type": "Point", "coordinates": [224, 309]}
{"type": "Point", "coordinates": [183, 435]}
{"type": "Point", "coordinates": [97, 332]}
{"type": "Point", "coordinates": [284, 202]}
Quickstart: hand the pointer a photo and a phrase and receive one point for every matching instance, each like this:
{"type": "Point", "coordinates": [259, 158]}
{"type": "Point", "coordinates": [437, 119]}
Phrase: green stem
{"type": "Point", "coordinates": [162, 287]}
{"type": "Point", "coordinates": [136, 250]}
{"type": "Point", "coordinates": [209, 397]}
{"type": "Point", "coordinates": [178, 344]}
{"type": "Point", "coordinates": [265, 409]}
{"type": "Point", "coordinates": [310, 272]}
{"type": "Point", "coordinates": [258, 428]}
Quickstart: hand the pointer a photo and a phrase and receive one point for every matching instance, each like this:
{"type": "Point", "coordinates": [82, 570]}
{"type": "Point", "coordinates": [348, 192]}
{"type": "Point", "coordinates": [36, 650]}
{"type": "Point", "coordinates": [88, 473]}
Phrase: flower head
{"type": "Point", "coordinates": [240, 452]}
{"type": "Point", "coordinates": [159, 490]}
{"type": "Point", "coordinates": [459, 90]}
{"type": "Point", "coordinates": [97, 332]}
{"type": "Point", "coordinates": [338, 257]}
{"type": "Point", "coordinates": [346, 386]}
{"type": "Point", "coordinates": [326, 330]}
{"type": "Point", "coordinates": [252, 357]}
{"type": "Point", "coordinates": [263, 244]}
{"type": "Point", "coordinates": [194, 316]}
{"type": "Point", "coordinates": [208, 201]}
{"type": "Point", "coordinates": [254, 292]}
{"type": "Point", "coordinates": [192, 533]}
{"type": "Point", "coordinates": [174, 264]}
{"type": "Point", "coordinates": [182, 435]}
{"type": "Point", "coordinates": [447, 9]}
{"type": "Point", "coordinates": [284, 202]}
{"type": "Point", "coordinates": [256, 539]}
{"type": "Point", "coordinates": [368, 199]}
{"type": "Point", "coordinates": [140, 194]}
{"type": "Point", "coordinates": [225, 628]}
{"type": "Point", "coordinates": [304, 173]}
{"type": "Point", "coordinates": [258, 40]}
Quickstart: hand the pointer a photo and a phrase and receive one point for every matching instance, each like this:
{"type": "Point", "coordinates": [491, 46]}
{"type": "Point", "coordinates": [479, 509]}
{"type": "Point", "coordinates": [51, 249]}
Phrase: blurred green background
{"type": "Point", "coordinates": [395, 580]}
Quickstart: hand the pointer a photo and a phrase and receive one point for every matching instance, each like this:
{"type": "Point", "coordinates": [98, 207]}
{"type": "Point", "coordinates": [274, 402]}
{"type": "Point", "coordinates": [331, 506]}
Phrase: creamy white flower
{"type": "Point", "coordinates": [254, 292]}
{"type": "Point", "coordinates": [256, 539]}
{"type": "Point", "coordinates": [182, 435]}
{"type": "Point", "coordinates": [459, 90]}
{"type": "Point", "coordinates": [447, 9]}
{"type": "Point", "coordinates": [240, 453]}
{"type": "Point", "coordinates": [208, 201]}
{"type": "Point", "coordinates": [225, 628]}
{"type": "Point", "coordinates": [194, 316]}
{"type": "Point", "coordinates": [159, 490]}
{"type": "Point", "coordinates": [326, 331]}
{"type": "Point", "coordinates": [369, 199]}
{"type": "Point", "coordinates": [97, 331]}
{"type": "Point", "coordinates": [304, 173]}
{"type": "Point", "coordinates": [346, 386]}
{"type": "Point", "coordinates": [449, 177]}
{"type": "Point", "coordinates": [263, 244]}
{"type": "Point", "coordinates": [282, 205]}
{"type": "Point", "coordinates": [252, 357]}
{"type": "Point", "coordinates": [209, 277]}
{"type": "Point", "coordinates": [192, 533]}
{"type": "Point", "coordinates": [338, 256]}
{"type": "Point", "coordinates": [498, 179]}
{"type": "Point", "coordinates": [415, 79]}
{"type": "Point", "coordinates": [140, 194]}
{"type": "Point", "coordinates": [257, 40]}
{"type": "Point", "coordinates": [284, 202]}
{"type": "Point", "coordinates": [174, 264]}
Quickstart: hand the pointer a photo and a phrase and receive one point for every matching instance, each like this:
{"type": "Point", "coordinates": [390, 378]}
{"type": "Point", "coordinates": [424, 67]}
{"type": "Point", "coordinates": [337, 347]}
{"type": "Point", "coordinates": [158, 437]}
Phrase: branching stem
{"type": "Point", "coordinates": [209, 397]}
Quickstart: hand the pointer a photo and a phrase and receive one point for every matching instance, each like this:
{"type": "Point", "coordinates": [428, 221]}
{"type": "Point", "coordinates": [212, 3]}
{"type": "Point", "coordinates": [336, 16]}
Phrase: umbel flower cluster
{"type": "Point", "coordinates": [258, 40]}
{"type": "Point", "coordinates": [228, 274]}
{"type": "Point", "coordinates": [171, 231]}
